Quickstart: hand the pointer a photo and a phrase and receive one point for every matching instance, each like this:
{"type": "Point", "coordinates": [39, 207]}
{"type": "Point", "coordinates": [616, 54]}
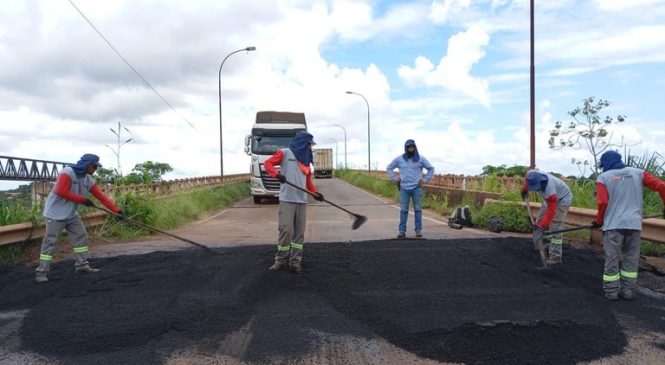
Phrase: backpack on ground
{"type": "Point", "coordinates": [461, 216]}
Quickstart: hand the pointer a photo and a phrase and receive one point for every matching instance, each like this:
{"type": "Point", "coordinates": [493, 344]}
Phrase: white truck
{"type": "Point", "coordinates": [271, 131]}
{"type": "Point", "coordinates": [323, 162]}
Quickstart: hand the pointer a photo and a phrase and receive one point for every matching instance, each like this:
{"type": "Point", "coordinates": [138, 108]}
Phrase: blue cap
{"type": "Point", "coordinates": [535, 181]}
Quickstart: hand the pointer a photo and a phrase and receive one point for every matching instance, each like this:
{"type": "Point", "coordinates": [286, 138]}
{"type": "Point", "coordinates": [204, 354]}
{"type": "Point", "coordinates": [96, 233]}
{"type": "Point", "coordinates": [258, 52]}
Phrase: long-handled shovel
{"type": "Point", "coordinates": [537, 237]}
{"type": "Point", "coordinates": [143, 225]}
{"type": "Point", "coordinates": [359, 219]}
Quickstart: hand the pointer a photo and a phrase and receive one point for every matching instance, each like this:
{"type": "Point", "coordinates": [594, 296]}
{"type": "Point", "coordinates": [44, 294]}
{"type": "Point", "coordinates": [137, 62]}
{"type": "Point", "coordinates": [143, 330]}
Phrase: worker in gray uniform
{"type": "Point", "coordinates": [619, 200]}
{"type": "Point", "coordinates": [557, 199]}
{"type": "Point", "coordinates": [71, 189]}
{"type": "Point", "coordinates": [295, 167]}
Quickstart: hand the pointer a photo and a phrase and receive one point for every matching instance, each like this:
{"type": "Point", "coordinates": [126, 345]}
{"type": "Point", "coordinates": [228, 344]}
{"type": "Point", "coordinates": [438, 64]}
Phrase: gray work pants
{"type": "Point", "coordinates": [291, 225]}
{"type": "Point", "coordinates": [555, 244]}
{"type": "Point", "coordinates": [77, 237]}
{"type": "Point", "coordinates": [622, 258]}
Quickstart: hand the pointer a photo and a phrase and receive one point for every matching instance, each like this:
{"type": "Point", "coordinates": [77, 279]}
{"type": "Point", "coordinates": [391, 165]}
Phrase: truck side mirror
{"type": "Point", "coordinates": [247, 150]}
{"type": "Point", "coordinates": [247, 138]}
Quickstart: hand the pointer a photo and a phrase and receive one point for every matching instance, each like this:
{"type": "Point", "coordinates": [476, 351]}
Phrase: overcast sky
{"type": "Point", "coordinates": [451, 74]}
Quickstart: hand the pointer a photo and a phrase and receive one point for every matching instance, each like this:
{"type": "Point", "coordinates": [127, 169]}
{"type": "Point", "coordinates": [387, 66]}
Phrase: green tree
{"type": "Point", "coordinates": [147, 172]}
{"type": "Point", "coordinates": [504, 170]}
{"type": "Point", "coordinates": [587, 129]}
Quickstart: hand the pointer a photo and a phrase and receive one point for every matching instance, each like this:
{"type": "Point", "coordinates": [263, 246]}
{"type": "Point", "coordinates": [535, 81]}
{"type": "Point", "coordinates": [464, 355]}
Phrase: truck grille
{"type": "Point", "coordinates": [269, 182]}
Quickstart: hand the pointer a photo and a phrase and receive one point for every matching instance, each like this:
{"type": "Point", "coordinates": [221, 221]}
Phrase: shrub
{"type": "Point", "coordinates": [513, 216]}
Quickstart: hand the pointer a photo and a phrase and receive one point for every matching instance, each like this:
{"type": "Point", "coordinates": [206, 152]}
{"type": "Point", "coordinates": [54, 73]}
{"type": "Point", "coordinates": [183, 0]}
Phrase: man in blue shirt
{"type": "Point", "coordinates": [410, 182]}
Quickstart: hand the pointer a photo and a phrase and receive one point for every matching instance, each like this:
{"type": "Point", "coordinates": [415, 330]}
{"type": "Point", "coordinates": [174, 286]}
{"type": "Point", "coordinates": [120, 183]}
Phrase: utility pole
{"type": "Point", "coordinates": [120, 143]}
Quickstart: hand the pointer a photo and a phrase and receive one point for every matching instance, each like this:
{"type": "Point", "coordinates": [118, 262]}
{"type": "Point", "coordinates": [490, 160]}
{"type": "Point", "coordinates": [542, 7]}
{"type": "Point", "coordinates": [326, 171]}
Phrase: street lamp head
{"type": "Point", "coordinates": [252, 48]}
{"type": "Point", "coordinates": [349, 92]}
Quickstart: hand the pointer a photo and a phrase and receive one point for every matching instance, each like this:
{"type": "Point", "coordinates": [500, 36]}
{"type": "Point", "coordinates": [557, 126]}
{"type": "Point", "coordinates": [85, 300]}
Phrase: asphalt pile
{"type": "Point", "coordinates": [469, 301]}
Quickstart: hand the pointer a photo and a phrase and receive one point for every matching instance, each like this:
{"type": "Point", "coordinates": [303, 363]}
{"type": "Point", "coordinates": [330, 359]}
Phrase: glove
{"type": "Point", "coordinates": [525, 194]}
{"type": "Point", "coordinates": [88, 203]}
{"type": "Point", "coordinates": [281, 178]}
{"type": "Point", "coordinates": [595, 225]}
{"type": "Point", "coordinates": [119, 215]}
{"type": "Point", "coordinates": [318, 197]}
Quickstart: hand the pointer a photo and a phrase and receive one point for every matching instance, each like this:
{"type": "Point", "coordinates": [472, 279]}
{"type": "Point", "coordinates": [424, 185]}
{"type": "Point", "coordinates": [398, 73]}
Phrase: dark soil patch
{"type": "Point", "coordinates": [471, 301]}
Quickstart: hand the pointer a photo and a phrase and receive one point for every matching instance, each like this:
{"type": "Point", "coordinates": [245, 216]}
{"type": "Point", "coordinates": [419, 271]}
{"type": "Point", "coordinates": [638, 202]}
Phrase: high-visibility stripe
{"type": "Point", "coordinates": [629, 274]}
{"type": "Point", "coordinates": [556, 241]}
{"type": "Point", "coordinates": [297, 246]}
{"type": "Point", "coordinates": [45, 257]}
{"type": "Point", "coordinates": [283, 248]}
{"type": "Point", "coordinates": [81, 249]}
{"type": "Point", "coordinates": [611, 277]}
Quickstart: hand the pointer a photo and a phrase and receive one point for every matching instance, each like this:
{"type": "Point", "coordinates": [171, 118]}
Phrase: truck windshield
{"type": "Point", "coordinates": [267, 145]}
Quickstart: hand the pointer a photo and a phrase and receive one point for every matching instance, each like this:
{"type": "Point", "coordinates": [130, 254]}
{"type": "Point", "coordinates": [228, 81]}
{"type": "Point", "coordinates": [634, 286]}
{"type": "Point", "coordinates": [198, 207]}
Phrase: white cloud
{"type": "Point", "coordinates": [442, 10]}
{"type": "Point", "coordinates": [620, 5]}
{"type": "Point", "coordinates": [454, 69]}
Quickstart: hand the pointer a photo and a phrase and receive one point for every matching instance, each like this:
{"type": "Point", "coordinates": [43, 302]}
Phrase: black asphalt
{"type": "Point", "coordinates": [473, 301]}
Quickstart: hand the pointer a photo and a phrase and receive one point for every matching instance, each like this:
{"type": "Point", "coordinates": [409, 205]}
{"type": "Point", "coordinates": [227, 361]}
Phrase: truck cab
{"type": "Point", "coordinates": [270, 132]}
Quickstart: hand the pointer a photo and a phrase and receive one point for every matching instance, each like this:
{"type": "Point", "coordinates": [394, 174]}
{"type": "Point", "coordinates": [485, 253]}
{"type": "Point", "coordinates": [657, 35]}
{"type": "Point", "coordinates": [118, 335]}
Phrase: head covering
{"type": "Point", "coordinates": [84, 162]}
{"type": "Point", "coordinates": [611, 160]}
{"type": "Point", "coordinates": [415, 155]}
{"type": "Point", "coordinates": [536, 181]}
{"type": "Point", "coordinates": [299, 147]}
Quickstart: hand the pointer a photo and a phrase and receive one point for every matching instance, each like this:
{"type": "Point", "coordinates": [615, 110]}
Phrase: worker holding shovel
{"type": "Point", "coordinates": [557, 198]}
{"type": "Point", "coordinates": [71, 189]}
{"type": "Point", "coordinates": [619, 200]}
{"type": "Point", "coordinates": [294, 172]}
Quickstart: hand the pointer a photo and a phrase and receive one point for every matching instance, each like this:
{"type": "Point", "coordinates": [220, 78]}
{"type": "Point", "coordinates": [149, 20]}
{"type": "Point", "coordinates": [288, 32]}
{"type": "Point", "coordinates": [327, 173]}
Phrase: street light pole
{"type": "Point", "coordinates": [219, 79]}
{"type": "Point", "coordinates": [532, 97]}
{"type": "Point", "coordinates": [336, 156]}
{"type": "Point", "coordinates": [346, 166]}
{"type": "Point", "coordinates": [369, 149]}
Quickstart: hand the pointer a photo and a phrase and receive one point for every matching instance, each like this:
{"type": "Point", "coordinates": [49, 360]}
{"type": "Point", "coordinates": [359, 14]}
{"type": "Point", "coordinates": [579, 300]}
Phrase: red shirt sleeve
{"type": "Point", "coordinates": [97, 193]}
{"type": "Point", "coordinates": [270, 163]}
{"type": "Point", "coordinates": [310, 183]}
{"type": "Point", "coordinates": [549, 214]}
{"type": "Point", "coordinates": [602, 198]}
{"type": "Point", "coordinates": [63, 188]}
{"type": "Point", "coordinates": [654, 184]}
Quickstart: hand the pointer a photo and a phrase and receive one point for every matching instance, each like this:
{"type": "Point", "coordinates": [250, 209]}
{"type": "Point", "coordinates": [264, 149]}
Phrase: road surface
{"type": "Point", "coordinates": [364, 298]}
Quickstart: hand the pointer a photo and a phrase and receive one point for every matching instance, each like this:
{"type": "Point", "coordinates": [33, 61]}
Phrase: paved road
{"type": "Point", "coordinates": [248, 223]}
{"type": "Point", "coordinates": [380, 301]}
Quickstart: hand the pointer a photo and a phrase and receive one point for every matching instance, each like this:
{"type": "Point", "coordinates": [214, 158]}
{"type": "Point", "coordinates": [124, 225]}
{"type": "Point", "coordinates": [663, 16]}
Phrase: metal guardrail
{"type": "Point", "coordinates": [653, 229]}
{"type": "Point", "coordinates": [21, 232]}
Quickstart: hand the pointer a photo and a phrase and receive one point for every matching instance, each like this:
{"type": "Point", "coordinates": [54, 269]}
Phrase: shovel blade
{"type": "Point", "coordinates": [359, 221]}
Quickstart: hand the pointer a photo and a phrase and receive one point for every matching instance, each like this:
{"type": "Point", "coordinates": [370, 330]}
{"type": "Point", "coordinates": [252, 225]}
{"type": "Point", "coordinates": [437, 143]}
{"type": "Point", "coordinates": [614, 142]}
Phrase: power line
{"type": "Point", "coordinates": [130, 66]}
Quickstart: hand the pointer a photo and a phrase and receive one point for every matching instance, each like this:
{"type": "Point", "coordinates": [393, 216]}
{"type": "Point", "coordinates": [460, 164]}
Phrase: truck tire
{"type": "Point", "coordinates": [257, 199]}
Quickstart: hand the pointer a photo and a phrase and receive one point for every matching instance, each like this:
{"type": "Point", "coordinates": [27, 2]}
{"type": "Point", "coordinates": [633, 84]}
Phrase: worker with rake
{"type": "Point", "coordinates": [557, 198]}
{"type": "Point", "coordinates": [295, 172]}
{"type": "Point", "coordinates": [619, 200]}
{"type": "Point", "coordinates": [71, 189]}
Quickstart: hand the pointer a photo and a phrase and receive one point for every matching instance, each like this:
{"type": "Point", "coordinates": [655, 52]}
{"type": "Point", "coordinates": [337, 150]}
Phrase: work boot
{"type": "Point", "coordinates": [41, 278]}
{"type": "Point", "coordinates": [278, 265]}
{"type": "Point", "coordinates": [85, 269]}
{"type": "Point", "coordinates": [612, 296]}
{"type": "Point", "coordinates": [627, 294]}
{"type": "Point", "coordinates": [295, 268]}
{"type": "Point", "coordinates": [419, 234]}
{"type": "Point", "coordinates": [401, 235]}
{"type": "Point", "coordinates": [553, 260]}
